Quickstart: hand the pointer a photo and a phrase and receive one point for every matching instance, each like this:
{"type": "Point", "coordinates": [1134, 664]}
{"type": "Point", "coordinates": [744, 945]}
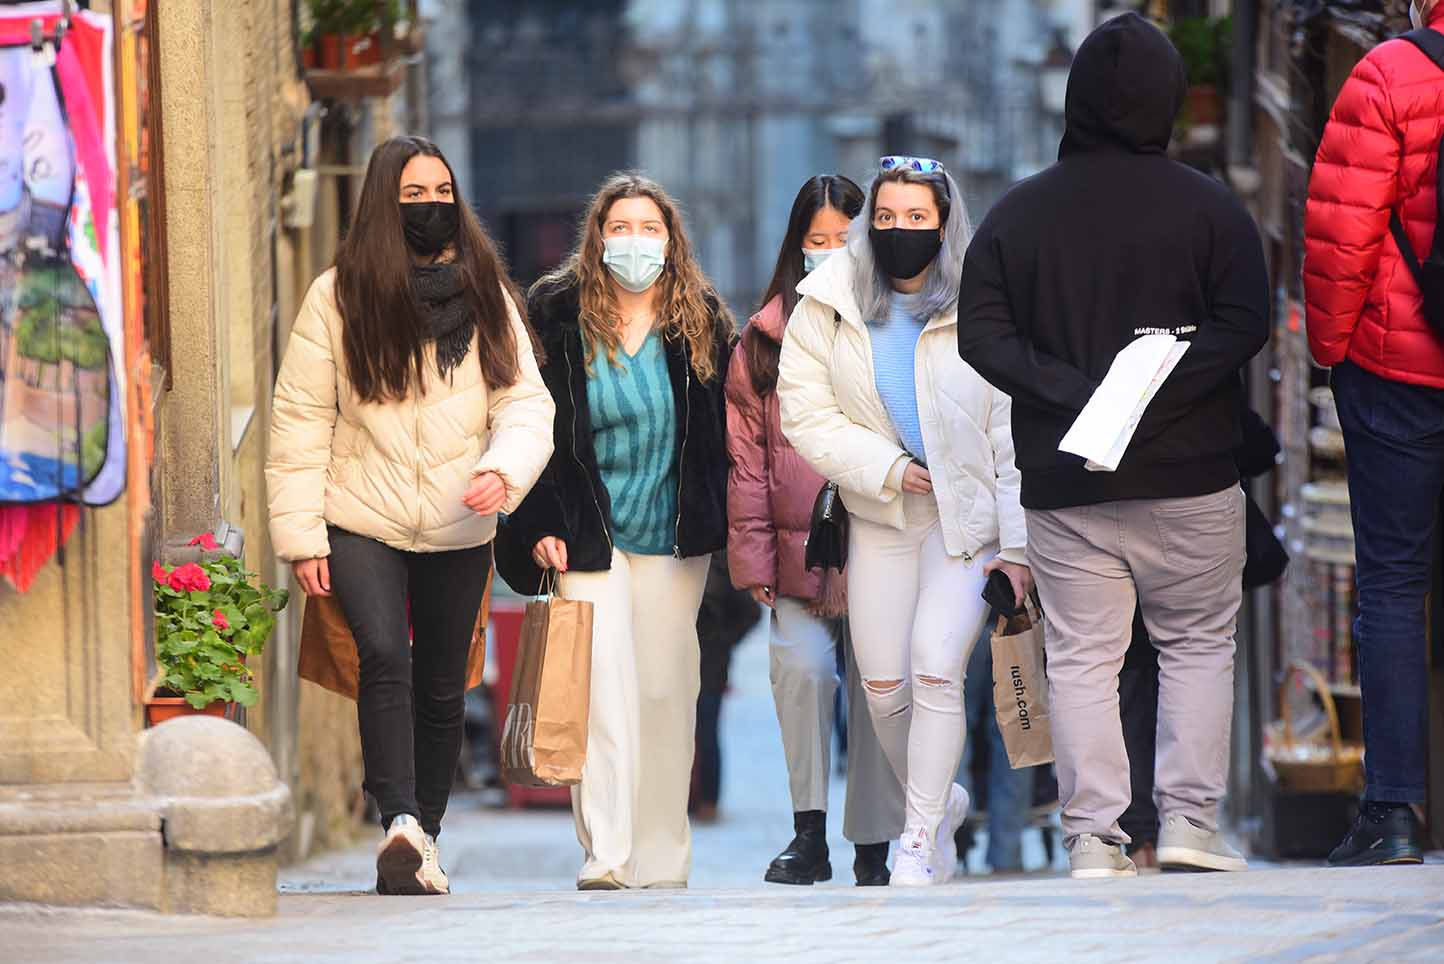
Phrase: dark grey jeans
{"type": "Point", "coordinates": [412, 614]}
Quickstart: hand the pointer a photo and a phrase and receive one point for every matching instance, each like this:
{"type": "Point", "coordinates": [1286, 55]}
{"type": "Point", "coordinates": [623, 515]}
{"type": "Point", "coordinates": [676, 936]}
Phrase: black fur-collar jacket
{"type": "Point", "coordinates": [570, 500]}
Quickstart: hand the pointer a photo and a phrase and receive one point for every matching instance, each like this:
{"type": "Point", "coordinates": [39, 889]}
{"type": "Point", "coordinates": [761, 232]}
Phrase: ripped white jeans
{"type": "Point", "coordinates": [916, 613]}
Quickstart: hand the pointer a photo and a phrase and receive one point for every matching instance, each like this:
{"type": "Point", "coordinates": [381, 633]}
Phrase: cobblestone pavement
{"type": "Point", "coordinates": [513, 872]}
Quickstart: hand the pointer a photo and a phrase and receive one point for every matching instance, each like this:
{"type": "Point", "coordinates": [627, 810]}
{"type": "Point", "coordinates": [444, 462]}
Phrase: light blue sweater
{"type": "Point", "coordinates": [894, 358]}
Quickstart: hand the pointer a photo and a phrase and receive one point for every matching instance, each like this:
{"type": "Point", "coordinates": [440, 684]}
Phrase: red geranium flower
{"type": "Point", "coordinates": [206, 541]}
{"type": "Point", "coordinates": [158, 572]}
{"type": "Point", "coordinates": [189, 578]}
{"type": "Point", "coordinates": [218, 620]}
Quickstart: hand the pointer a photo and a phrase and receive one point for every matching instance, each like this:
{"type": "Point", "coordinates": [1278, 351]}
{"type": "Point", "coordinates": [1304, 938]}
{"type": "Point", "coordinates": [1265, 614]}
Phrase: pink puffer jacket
{"type": "Point", "coordinates": [770, 490]}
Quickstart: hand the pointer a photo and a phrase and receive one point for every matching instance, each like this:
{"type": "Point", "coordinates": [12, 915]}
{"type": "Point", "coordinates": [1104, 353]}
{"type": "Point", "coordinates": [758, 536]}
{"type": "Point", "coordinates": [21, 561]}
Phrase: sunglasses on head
{"type": "Point", "coordinates": [895, 162]}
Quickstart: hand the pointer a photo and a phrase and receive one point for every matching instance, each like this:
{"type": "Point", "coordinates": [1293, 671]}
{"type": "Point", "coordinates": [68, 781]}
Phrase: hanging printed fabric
{"type": "Point", "coordinates": [62, 431]}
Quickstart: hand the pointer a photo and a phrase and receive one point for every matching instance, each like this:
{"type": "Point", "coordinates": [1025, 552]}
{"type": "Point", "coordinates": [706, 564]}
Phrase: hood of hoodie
{"type": "Point", "coordinates": [1125, 90]}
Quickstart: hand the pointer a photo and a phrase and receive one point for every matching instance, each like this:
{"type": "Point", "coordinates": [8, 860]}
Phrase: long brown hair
{"type": "Point", "coordinates": [383, 331]}
{"type": "Point", "coordinates": [688, 305]}
{"type": "Point", "coordinates": [820, 192]}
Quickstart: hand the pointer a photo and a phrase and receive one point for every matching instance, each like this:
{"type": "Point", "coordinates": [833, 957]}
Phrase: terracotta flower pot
{"type": "Point", "coordinates": [161, 708]}
{"type": "Point", "coordinates": [335, 52]}
{"type": "Point", "coordinates": [1205, 106]}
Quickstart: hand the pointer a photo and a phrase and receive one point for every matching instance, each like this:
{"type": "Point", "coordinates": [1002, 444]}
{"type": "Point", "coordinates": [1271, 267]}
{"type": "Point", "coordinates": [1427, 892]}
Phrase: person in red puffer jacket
{"type": "Point", "coordinates": [1366, 321]}
{"type": "Point", "coordinates": [770, 493]}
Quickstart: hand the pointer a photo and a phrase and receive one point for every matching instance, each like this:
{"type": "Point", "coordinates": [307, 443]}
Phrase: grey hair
{"type": "Point", "coordinates": [873, 289]}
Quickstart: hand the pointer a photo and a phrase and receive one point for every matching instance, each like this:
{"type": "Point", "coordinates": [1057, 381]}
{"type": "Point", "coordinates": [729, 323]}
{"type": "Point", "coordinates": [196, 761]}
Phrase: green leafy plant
{"type": "Point", "coordinates": [350, 17]}
{"type": "Point", "coordinates": [1206, 44]}
{"type": "Point", "coordinates": [209, 617]}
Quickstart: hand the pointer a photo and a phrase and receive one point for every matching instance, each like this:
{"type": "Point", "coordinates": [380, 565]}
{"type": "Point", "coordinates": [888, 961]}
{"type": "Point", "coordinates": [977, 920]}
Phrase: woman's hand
{"type": "Point", "coordinates": [314, 575]}
{"type": "Point", "coordinates": [550, 553]}
{"type": "Point", "coordinates": [486, 494]}
{"type": "Point", "coordinates": [764, 595]}
{"type": "Point", "coordinates": [917, 480]}
{"type": "Point", "coordinates": [1020, 576]}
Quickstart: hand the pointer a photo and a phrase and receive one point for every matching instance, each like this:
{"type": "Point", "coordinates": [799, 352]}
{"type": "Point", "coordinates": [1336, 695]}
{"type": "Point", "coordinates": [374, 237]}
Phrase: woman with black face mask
{"type": "Point", "coordinates": [874, 396]}
{"type": "Point", "coordinates": [408, 413]}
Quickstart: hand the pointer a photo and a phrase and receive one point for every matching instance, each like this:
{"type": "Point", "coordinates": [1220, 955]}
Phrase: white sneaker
{"type": "Point", "coordinates": [1092, 857]}
{"type": "Point", "coordinates": [431, 873]}
{"type": "Point", "coordinates": [1183, 845]}
{"type": "Point", "coordinates": [913, 866]}
{"type": "Point", "coordinates": [945, 848]}
{"type": "Point", "coordinates": [400, 856]}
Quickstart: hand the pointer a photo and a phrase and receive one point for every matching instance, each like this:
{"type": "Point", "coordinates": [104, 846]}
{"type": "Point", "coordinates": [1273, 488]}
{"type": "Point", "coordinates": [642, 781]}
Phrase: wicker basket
{"type": "Point", "coordinates": [1315, 767]}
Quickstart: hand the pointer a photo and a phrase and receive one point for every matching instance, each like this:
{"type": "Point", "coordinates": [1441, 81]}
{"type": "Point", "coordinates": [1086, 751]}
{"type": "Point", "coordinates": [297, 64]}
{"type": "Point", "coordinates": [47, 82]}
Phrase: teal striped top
{"type": "Point", "coordinates": [634, 432]}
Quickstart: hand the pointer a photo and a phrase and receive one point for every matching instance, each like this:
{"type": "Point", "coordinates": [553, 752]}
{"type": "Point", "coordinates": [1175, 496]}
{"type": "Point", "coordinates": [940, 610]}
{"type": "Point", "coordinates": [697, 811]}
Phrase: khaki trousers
{"type": "Point", "coordinates": [803, 652]}
{"type": "Point", "coordinates": [631, 806]}
{"type": "Point", "coordinates": [1182, 561]}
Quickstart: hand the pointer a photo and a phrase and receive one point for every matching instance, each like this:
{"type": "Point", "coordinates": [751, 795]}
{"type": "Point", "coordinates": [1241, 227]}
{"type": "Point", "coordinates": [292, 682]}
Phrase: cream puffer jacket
{"type": "Point", "coordinates": [394, 471]}
{"type": "Point", "coordinates": [833, 415]}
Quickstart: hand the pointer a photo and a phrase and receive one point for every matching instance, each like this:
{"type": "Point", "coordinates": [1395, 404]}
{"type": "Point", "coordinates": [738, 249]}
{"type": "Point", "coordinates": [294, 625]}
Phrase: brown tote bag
{"type": "Point", "coordinates": [1020, 688]}
{"type": "Point", "coordinates": [328, 655]}
{"type": "Point", "coordinates": [544, 740]}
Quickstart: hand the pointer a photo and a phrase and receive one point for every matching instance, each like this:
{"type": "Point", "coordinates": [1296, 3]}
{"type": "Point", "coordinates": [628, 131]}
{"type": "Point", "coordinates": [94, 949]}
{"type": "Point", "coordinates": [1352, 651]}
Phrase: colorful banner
{"type": "Point", "coordinates": [62, 418]}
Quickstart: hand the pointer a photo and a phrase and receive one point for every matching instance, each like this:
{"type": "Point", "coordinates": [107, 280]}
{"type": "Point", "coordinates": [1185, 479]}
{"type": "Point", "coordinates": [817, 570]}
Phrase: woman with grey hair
{"type": "Point", "coordinates": [874, 396]}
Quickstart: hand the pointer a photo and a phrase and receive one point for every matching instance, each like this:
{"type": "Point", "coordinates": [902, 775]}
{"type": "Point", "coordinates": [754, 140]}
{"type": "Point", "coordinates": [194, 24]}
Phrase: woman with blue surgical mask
{"type": "Point", "coordinates": [629, 511]}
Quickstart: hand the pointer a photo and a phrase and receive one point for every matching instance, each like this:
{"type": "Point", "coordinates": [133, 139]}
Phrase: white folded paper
{"type": "Point", "coordinates": [1106, 425]}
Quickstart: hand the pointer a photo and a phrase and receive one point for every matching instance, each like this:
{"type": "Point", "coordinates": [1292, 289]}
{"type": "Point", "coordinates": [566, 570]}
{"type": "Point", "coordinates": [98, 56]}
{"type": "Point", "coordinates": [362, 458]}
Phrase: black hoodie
{"type": "Point", "coordinates": [1116, 241]}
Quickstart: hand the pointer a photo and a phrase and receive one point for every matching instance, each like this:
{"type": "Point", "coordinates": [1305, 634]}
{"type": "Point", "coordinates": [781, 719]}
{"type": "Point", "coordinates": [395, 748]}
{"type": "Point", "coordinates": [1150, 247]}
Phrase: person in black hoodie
{"type": "Point", "coordinates": [1116, 241]}
{"type": "Point", "coordinates": [628, 511]}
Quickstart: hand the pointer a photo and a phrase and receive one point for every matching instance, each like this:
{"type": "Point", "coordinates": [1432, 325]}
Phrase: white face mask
{"type": "Point", "coordinates": [812, 257]}
{"type": "Point", "coordinates": [1416, 17]}
{"type": "Point", "coordinates": [635, 261]}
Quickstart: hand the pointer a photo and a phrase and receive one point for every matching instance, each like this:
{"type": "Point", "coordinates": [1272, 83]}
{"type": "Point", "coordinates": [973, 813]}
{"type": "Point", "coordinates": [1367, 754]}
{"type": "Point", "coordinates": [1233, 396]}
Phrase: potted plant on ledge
{"type": "Point", "coordinates": [346, 34]}
{"type": "Point", "coordinates": [209, 617]}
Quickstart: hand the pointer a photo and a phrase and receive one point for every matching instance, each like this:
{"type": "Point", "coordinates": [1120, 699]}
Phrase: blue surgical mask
{"type": "Point", "coordinates": [635, 261]}
{"type": "Point", "coordinates": [812, 257]}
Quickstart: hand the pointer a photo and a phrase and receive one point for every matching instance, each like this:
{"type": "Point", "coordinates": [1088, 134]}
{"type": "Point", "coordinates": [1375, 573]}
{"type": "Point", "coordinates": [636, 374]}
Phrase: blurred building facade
{"type": "Point", "coordinates": [732, 104]}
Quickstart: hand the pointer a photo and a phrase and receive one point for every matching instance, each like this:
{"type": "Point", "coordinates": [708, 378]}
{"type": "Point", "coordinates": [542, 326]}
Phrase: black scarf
{"type": "Point", "coordinates": [448, 322]}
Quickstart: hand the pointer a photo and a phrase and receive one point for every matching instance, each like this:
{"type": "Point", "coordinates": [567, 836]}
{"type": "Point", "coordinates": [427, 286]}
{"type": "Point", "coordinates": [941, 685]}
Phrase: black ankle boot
{"type": "Point", "coordinates": [1384, 833]}
{"type": "Point", "coordinates": [805, 861]}
{"type": "Point", "coordinates": [870, 865]}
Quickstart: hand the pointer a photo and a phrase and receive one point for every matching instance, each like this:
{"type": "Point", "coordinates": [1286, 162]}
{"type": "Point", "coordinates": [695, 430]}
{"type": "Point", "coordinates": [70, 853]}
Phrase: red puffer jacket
{"type": "Point", "coordinates": [771, 490]}
{"type": "Point", "coordinates": [1379, 154]}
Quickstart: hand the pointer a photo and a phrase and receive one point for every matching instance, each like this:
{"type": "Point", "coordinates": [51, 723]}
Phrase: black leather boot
{"type": "Point", "coordinates": [870, 865]}
{"type": "Point", "coordinates": [805, 861]}
{"type": "Point", "coordinates": [1385, 833]}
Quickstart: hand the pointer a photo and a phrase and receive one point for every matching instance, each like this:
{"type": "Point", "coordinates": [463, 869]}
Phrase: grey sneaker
{"type": "Point", "coordinates": [1183, 845]}
{"type": "Point", "coordinates": [400, 856]}
{"type": "Point", "coordinates": [431, 873]}
{"type": "Point", "coordinates": [1093, 857]}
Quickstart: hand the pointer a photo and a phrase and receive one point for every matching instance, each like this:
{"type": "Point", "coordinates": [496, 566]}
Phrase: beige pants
{"type": "Point", "coordinates": [1182, 561]}
{"type": "Point", "coordinates": [631, 806]}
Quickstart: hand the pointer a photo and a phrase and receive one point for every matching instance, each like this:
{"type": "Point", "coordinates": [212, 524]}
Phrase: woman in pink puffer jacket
{"type": "Point", "coordinates": [770, 495]}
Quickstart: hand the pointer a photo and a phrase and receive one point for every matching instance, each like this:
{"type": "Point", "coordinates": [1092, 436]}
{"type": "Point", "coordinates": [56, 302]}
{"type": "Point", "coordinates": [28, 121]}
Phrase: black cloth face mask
{"type": "Point", "coordinates": [905, 252]}
{"type": "Point", "coordinates": [430, 225]}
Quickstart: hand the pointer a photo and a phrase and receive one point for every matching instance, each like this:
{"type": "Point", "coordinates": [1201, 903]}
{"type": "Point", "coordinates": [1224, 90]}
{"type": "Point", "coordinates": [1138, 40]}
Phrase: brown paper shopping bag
{"type": "Point", "coordinates": [544, 740]}
{"type": "Point", "coordinates": [1020, 689]}
{"type": "Point", "coordinates": [328, 650]}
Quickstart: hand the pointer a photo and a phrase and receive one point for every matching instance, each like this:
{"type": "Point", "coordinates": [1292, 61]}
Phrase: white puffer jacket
{"type": "Point", "coordinates": [395, 471]}
{"type": "Point", "coordinates": [833, 415]}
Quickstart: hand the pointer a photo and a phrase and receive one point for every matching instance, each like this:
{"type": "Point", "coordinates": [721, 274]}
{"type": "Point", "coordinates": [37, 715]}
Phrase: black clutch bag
{"type": "Point", "coordinates": [827, 537]}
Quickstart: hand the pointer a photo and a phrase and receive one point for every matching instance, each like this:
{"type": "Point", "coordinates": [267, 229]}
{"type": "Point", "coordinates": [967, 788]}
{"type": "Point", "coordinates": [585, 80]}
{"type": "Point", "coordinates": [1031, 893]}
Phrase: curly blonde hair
{"type": "Point", "coordinates": [688, 305]}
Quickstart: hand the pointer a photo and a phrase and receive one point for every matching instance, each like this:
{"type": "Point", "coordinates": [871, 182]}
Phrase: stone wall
{"type": "Point", "coordinates": [233, 111]}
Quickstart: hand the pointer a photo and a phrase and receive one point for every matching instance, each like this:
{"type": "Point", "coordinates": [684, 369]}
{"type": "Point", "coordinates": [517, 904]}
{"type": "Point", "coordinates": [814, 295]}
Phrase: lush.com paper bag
{"type": "Point", "coordinates": [1020, 689]}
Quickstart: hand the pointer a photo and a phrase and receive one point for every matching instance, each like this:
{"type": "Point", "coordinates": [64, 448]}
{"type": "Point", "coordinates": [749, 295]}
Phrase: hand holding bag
{"type": "Point", "coordinates": [827, 537]}
{"type": "Point", "coordinates": [544, 739]}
